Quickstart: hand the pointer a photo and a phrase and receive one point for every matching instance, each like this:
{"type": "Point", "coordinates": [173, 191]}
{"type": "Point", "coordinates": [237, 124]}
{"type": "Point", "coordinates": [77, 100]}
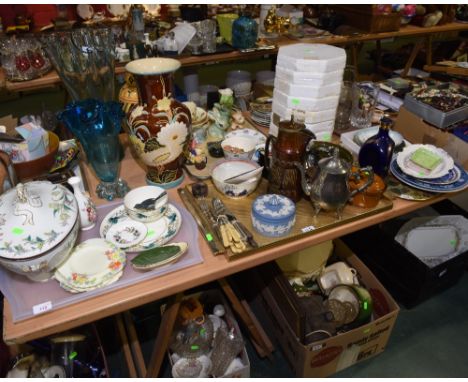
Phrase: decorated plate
{"type": "Point", "coordinates": [68, 288]}
{"type": "Point", "coordinates": [127, 233]}
{"type": "Point", "coordinates": [409, 168]}
{"type": "Point", "coordinates": [159, 232]}
{"type": "Point", "coordinates": [92, 263]}
{"type": "Point", "coordinates": [118, 10]}
{"type": "Point", "coordinates": [459, 185]}
{"type": "Point", "coordinates": [34, 218]}
{"type": "Point", "coordinates": [364, 135]}
{"type": "Point", "coordinates": [85, 11]}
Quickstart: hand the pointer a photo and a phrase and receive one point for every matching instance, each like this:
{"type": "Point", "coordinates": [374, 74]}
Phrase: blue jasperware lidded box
{"type": "Point", "coordinates": [273, 215]}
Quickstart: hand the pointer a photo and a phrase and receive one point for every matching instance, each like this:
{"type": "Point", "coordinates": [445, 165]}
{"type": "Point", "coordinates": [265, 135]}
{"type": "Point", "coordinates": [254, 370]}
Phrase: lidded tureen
{"type": "Point", "coordinates": [38, 228]}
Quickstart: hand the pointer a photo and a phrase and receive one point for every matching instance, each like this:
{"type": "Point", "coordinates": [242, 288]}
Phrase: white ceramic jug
{"type": "Point", "coordinates": [86, 207]}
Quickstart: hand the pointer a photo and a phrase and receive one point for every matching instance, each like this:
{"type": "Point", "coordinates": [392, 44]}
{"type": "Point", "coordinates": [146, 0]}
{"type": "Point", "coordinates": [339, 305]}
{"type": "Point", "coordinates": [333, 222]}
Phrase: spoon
{"type": "Point", "coordinates": [244, 176]}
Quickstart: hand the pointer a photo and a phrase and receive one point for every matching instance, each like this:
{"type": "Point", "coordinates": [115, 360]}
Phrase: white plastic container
{"type": "Point", "coordinates": [332, 89]}
{"type": "Point", "coordinates": [318, 58]}
{"type": "Point", "coordinates": [308, 78]}
{"type": "Point", "coordinates": [305, 103]}
{"type": "Point", "coordinates": [308, 116]}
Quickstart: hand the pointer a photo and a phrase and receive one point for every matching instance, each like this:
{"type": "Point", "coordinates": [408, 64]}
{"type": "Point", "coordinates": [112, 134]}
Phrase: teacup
{"type": "Point", "coordinates": [336, 274]}
{"type": "Point", "coordinates": [146, 204]}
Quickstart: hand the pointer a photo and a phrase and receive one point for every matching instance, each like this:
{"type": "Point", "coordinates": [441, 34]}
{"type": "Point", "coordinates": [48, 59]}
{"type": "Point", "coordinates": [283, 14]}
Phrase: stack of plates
{"type": "Point", "coordinates": [93, 264]}
{"type": "Point", "coordinates": [199, 118]}
{"type": "Point", "coordinates": [447, 176]}
{"type": "Point", "coordinates": [260, 111]}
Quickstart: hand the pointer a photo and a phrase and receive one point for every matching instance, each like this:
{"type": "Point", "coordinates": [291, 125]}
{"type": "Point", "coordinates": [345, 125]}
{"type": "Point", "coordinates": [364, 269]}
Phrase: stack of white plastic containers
{"type": "Point", "coordinates": [307, 83]}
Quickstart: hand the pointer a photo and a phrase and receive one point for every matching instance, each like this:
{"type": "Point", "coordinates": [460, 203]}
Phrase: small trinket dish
{"type": "Point", "coordinates": [273, 215]}
{"type": "Point", "coordinates": [146, 204]}
{"type": "Point", "coordinates": [126, 234]}
{"type": "Point", "coordinates": [159, 256]}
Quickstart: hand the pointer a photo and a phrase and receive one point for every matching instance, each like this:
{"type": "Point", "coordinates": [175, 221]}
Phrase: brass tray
{"type": "Point", "coordinates": [305, 225]}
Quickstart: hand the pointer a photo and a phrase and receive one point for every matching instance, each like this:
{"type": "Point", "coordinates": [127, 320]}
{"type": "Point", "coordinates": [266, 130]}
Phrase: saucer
{"type": "Point", "coordinates": [127, 233]}
{"type": "Point", "coordinates": [158, 233]}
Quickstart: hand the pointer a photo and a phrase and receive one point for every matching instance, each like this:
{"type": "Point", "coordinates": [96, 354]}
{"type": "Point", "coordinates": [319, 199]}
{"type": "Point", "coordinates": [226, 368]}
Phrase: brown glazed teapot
{"type": "Point", "coordinates": [289, 147]}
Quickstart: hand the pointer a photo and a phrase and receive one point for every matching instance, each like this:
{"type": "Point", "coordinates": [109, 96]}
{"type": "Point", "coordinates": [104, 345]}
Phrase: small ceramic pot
{"type": "Point", "coordinates": [238, 148]}
{"type": "Point", "coordinates": [229, 168]}
{"type": "Point", "coordinates": [146, 204]}
{"type": "Point", "coordinates": [370, 197]}
{"type": "Point", "coordinates": [273, 215]}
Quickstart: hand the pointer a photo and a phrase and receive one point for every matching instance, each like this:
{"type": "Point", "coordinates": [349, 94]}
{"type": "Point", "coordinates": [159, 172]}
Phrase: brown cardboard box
{"type": "Point", "coordinates": [415, 130]}
{"type": "Point", "coordinates": [326, 357]}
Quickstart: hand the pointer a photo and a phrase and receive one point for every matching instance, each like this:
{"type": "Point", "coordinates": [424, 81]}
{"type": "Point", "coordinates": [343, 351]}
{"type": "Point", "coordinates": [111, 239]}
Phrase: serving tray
{"type": "Point", "coordinates": [306, 224]}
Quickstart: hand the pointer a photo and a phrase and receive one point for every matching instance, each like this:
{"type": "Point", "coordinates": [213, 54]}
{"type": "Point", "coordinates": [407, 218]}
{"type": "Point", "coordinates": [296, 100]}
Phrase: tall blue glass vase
{"type": "Point", "coordinates": [96, 124]}
{"type": "Point", "coordinates": [244, 32]}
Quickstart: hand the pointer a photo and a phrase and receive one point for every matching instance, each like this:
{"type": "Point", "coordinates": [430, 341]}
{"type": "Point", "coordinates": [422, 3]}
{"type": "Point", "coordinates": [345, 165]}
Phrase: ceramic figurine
{"type": "Point", "coordinates": [221, 117]}
{"type": "Point", "coordinates": [160, 126]}
{"type": "Point", "coordinates": [86, 207]}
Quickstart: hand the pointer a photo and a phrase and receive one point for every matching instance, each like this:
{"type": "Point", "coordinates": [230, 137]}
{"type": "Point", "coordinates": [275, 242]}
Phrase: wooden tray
{"type": "Point", "coordinates": [306, 224]}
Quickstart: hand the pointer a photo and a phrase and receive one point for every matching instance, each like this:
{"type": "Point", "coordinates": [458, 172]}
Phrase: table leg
{"type": "Point", "coordinates": [416, 48]}
{"type": "Point", "coordinates": [125, 347]}
{"type": "Point", "coordinates": [164, 334]}
{"type": "Point", "coordinates": [429, 49]}
{"type": "Point", "coordinates": [135, 344]}
{"type": "Point", "coordinates": [259, 338]}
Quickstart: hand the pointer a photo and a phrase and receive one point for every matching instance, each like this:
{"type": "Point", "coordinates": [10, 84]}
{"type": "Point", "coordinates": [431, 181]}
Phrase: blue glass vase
{"type": "Point", "coordinates": [244, 32]}
{"type": "Point", "coordinates": [377, 151]}
{"type": "Point", "coordinates": [97, 124]}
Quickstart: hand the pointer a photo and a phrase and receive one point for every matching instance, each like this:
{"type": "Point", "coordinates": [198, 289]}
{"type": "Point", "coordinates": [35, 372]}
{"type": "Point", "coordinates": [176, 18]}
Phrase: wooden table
{"type": "Point", "coordinates": [52, 78]}
{"type": "Point", "coordinates": [211, 269]}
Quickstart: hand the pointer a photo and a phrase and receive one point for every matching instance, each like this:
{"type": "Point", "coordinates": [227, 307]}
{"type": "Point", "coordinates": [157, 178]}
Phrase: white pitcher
{"type": "Point", "coordinates": [86, 207]}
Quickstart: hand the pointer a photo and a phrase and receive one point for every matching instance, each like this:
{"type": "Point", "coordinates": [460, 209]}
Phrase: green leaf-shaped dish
{"type": "Point", "coordinates": [159, 256]}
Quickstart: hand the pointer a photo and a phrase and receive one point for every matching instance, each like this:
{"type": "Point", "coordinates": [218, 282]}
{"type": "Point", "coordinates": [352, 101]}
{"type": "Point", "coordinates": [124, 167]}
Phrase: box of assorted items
{"type": "Point", "coordinates": [206, 340]}
{"type": "Point", "coordinates": [441, 106]}
{"type": "Point", "coordinates": [415, 130]}
{"type": "Point", "coordinates": [369, 18]}
{"type": "Point", "coordinates": [329, 318]}
{"type": "Point", "coordinates": [419, 254]}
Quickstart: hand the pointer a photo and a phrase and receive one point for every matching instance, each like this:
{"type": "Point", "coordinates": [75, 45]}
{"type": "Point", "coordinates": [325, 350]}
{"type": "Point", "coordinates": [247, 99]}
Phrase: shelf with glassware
{"type": "Point", "coordinates": [145, 255]}
{"type": "Point", "coordinates": [52, 78]}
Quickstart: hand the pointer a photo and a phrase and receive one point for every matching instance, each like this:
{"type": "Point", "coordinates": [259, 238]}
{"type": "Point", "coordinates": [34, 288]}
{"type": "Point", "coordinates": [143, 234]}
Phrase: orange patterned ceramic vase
{"type": "Point", "coordinates": [160, 126]}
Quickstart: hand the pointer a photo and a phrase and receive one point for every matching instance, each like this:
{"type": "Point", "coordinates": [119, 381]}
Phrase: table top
{"type": "Point", "coordinates": [52, 78]}
{"type": "Point", "coordinates": [211, 269]}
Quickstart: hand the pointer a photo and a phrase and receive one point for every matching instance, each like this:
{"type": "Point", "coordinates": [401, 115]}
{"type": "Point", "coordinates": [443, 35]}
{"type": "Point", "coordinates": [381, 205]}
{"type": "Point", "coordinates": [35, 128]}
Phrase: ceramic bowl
{"type": "Point", "coordinates": [146, 204]}
{"type": "Point", "coordinates": [229, 168]}
{"type": "Point", "coordinates": [39, 224]}
{"type": "Point", "coordinates": [238, 148]}
{"type": "Point", "coordinates": [38, 166]}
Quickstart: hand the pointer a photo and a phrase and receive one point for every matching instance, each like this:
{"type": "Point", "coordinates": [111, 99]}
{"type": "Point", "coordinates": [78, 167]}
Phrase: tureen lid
{"type": "Point", "coordinates": [35, 217]}
{"type": "Point", "coordinates": [273, 207]}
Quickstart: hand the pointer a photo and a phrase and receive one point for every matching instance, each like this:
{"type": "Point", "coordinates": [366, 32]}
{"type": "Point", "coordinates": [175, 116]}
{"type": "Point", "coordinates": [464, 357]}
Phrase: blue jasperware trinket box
{"type": "Point", "coordinates": [273, 215]}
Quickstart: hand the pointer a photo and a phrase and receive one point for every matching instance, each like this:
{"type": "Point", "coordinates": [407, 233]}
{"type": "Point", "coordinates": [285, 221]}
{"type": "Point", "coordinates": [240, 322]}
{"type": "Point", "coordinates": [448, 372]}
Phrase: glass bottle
{"type": "Point", "coordinates": [377, 151]}
{"type": "Point", "coordinates": [343, 111]}
{"type": "Point", "coordinates": [244, 31]}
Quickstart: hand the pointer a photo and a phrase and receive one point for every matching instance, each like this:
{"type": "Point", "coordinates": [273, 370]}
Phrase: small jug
{"type": "Point", "coordinates": [86, 207]}
{"type": "Point", "coordinates": [329, 190]}
{"type": "Point", "coordinates": [8, 177]}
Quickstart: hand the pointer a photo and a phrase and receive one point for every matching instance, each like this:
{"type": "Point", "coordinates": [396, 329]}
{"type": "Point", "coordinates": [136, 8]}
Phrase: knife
{"type": "Point", "coordinates": [221, 209]}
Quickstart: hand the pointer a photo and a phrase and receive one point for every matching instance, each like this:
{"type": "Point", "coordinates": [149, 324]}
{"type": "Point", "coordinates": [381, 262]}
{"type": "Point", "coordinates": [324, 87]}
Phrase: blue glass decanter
{"type": "Point", "coordinates": [377, 151]}
{"type": "Point", "coordinates": [244, 32]}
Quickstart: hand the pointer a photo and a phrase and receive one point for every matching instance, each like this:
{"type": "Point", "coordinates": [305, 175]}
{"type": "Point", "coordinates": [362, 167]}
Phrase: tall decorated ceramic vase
{"type": "Point", "coordinates": [160, 126]}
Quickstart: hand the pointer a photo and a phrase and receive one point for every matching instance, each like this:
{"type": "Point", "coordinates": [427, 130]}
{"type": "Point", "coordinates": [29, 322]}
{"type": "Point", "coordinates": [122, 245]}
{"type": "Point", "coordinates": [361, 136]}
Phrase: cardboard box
{"type": "Point", "coordinates": [211, 298]}
{"type": "Point", "coordinates": [326, 357]}
{"type": "Point", "coordinates": [408, 278]}
{"type": "Point", "coordinates": [415, 130]}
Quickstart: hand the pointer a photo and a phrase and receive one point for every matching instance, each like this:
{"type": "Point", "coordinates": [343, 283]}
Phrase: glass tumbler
{"type": "Point", "coordinates": [365, 96]}
{"type": "Point", "coordinates": [208, 34]}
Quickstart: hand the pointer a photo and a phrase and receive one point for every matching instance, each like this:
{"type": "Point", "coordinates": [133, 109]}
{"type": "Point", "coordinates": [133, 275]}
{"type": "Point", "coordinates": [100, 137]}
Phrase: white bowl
{"type": "Point", "coordinates": [242, 143]}
{"type": "Point", "coordinates": [229, 168]}
{"type": "Point", "coordinates": [240, 75]}
{"type": "Point", "coordinates": [151, 211]}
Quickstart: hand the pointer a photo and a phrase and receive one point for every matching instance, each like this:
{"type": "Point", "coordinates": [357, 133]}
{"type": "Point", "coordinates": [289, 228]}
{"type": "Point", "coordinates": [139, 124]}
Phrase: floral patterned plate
{"type": "Point", "coordinates": [159, 231]}
{"type": "Point", "coordinates": [127, 233]}
{"type": "Point", "coordinates": [110, 281]}
{"type": "Point", "coordinates": [92, 263]}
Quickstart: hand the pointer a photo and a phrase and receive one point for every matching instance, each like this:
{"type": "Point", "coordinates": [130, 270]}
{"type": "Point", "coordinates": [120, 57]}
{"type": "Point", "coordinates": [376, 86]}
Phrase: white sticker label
{"type": "Point", "coordinates": [308, 228]}
{"type": "Point", "coordinates": [42, 308]}
{"type": "Point", "coordinates": [316, 347]}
